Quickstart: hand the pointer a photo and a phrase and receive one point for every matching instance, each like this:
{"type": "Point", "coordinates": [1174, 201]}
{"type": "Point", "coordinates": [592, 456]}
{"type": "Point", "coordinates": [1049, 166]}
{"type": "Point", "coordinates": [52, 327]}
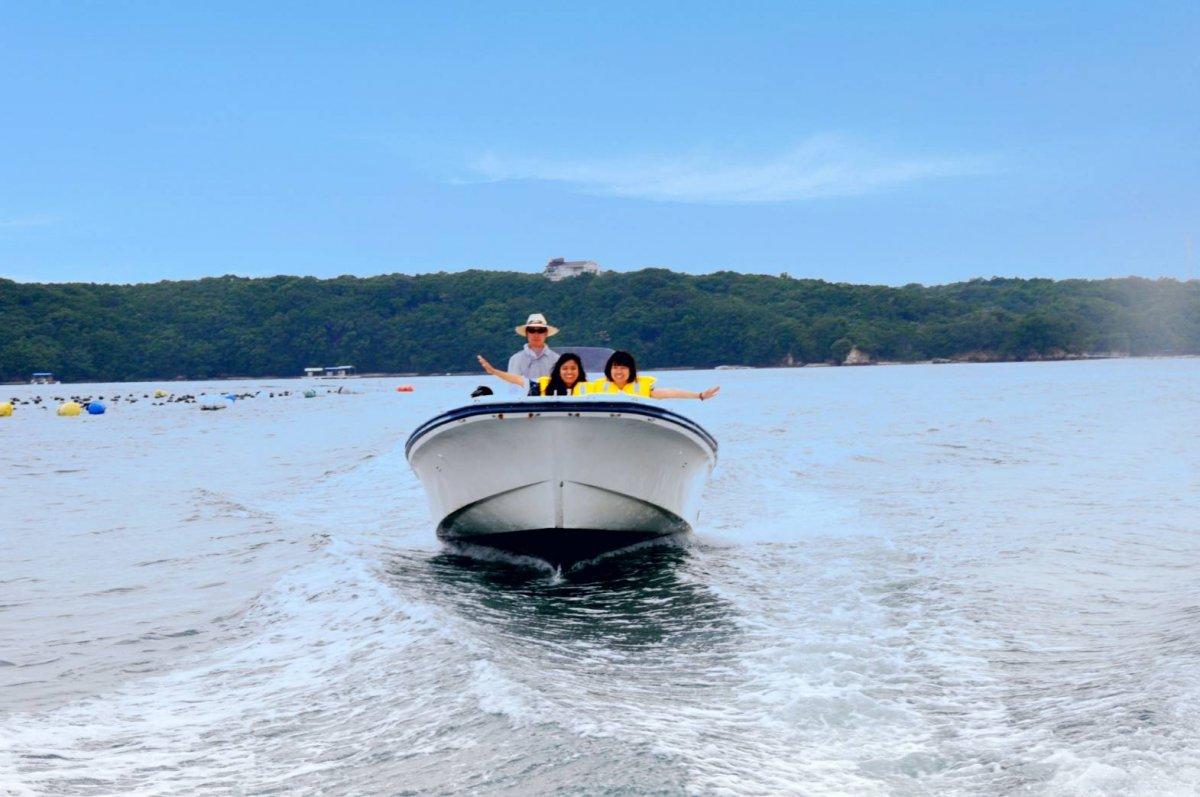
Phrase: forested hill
{"type": "Point", "coordinates": [437, 322]}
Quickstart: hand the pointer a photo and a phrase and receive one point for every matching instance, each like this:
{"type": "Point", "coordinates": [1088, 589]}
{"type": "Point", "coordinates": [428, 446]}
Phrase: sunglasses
{"type": "Point", "coordinates": [536, 330]}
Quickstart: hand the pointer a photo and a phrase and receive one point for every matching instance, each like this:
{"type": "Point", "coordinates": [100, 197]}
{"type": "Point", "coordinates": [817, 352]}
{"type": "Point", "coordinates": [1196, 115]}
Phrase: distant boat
{"type": "Point", "coordinates": [562, 478]}
{"type": "Point", "coordinates": [43, 378]}
{"type": "Point", "coordinates": [331, 372]}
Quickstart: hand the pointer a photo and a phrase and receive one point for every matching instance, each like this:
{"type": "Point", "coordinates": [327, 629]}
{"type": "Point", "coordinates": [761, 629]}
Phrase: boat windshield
{"type": "Point", "coordinates": [593, 357]}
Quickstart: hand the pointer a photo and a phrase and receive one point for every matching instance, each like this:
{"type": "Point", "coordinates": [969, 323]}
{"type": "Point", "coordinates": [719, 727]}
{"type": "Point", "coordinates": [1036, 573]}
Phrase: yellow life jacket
{"type": "Point", "coordinates": [642, 387]}
{"type": "Point", "coordinates": [544, 382]}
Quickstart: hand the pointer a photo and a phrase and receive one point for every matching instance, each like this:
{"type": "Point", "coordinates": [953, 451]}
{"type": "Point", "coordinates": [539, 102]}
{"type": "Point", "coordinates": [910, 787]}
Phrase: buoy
{"type": "Point", "coordinates": [404, 389]}
{"type": "Point", "coordinates": [310, 393]}
{"type": "Point", "coordinates": [160, 393]}
{"type": "Point", "coordinates": [230, 397]}
{"type": "Point", "coordinates": [95, 408]}
{"type": "Point", "coordinates": [5, 409]}
{"type": "Point", "coordinates": [69, 408]}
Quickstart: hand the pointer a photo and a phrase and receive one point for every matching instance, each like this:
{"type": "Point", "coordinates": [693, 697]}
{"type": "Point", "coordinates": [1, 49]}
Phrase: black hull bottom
{"type": "Point", "coordinates": [561, 547]}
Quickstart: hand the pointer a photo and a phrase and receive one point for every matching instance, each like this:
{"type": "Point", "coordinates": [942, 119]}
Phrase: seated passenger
{"type": "Point", "coordinates": [567, 377]}
{"type": "Point", "coordinates": [620, 376]}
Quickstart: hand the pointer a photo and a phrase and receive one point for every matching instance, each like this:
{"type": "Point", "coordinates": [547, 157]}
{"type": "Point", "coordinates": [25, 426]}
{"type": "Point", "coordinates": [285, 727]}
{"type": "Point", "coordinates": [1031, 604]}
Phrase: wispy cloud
{"type": "Point", "coordinates": [823, 166]}
{"type": "Point", "coordinates": [20, 222]}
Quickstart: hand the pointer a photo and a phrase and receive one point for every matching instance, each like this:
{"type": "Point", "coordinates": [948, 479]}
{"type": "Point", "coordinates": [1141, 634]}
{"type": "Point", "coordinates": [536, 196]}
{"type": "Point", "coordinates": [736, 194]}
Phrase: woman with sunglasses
{"type": "Point", "coordinates": [621, 376]}
{"type": "Point", "coordinates": [567, 377]}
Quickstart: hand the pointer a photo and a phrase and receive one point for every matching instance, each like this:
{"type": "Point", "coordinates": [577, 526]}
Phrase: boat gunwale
{"type": "Point", "coordinates": [590, 407]}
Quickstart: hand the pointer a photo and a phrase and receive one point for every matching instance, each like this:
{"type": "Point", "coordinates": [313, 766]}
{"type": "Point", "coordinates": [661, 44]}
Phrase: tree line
{"type": "Point", "coordinates": [236, 326]}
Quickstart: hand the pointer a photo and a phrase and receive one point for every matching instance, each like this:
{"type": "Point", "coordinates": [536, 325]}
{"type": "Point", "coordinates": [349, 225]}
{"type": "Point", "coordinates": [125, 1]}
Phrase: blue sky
{"type": "Point", "coordinates": [857, 142]}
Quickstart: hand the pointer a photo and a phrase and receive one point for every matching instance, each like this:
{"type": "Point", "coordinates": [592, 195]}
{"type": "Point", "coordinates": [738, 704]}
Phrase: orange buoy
{"type": "Point", "coordinates": [404, 389]}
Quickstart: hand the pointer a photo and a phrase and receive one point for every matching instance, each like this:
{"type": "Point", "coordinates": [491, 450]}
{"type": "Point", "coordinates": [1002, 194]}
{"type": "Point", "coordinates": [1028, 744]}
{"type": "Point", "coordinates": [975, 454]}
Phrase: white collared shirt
{"type": "Point", "coordinates": [531, 366]}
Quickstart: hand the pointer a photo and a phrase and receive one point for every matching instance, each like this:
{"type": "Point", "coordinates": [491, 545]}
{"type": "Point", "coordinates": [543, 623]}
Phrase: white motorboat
{"type": "Point", "coordinates": [562, 477]}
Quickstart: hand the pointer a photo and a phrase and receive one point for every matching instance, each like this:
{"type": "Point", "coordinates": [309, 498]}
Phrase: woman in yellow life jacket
{"type": "Point", "coordinates": [567, 377]}
{"type": "Point", "coordinates": [621, 376]}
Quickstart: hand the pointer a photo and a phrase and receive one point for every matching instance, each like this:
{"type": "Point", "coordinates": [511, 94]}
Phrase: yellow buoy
{"type": "Point", "coordinates": [160, 393]}
{"type": "Point", "coordinates": [5, 409]}
{"type": "Point", "coordinates": [69, 408]}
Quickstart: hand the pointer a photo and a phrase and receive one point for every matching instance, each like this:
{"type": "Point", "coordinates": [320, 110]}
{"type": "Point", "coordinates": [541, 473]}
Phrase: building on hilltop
{"type": "Point", "coordinates": [560, 268]}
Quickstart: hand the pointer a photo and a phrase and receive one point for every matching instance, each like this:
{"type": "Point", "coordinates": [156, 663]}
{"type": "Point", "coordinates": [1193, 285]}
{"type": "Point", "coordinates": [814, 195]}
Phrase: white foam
{"type": "Point", "coordinates": [318, 624]}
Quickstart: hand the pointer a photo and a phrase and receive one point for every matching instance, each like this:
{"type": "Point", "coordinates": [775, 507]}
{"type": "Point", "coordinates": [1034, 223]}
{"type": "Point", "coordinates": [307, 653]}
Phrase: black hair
{"type": "Point", "coordinates": [557, 386]}
{"type": "Point", "coordinates": [621, 358]}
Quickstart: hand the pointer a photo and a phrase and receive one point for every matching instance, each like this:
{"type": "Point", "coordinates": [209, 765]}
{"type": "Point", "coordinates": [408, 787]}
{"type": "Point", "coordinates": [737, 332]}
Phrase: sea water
{"type": "Point", "coordinates": [905, 580]}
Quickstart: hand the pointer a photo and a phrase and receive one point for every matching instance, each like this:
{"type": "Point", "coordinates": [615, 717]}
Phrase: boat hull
{"type": "Point", "coordinates": [546, 472]}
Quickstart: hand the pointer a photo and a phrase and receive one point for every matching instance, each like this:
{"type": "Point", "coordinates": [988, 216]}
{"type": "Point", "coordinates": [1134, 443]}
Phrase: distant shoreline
{"type": "Point", "coordinates": [230, 327]}
{"type": "Point", "coordinates": [414, 375]}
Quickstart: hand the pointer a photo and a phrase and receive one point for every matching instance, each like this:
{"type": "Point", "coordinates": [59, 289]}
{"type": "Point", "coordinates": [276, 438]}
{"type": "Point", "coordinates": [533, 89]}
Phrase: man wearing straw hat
{"type": "Point", "coordinates": [536, 359]}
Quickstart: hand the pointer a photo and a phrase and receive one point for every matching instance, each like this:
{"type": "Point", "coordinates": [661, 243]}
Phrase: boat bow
{"type": "Point", "coordinates": [628, 468]}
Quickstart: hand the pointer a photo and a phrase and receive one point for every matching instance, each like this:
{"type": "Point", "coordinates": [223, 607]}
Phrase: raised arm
{"type": "Point", "coordinates": [674, 392]}
{"type": "Point", "coordinates": [516, 379]}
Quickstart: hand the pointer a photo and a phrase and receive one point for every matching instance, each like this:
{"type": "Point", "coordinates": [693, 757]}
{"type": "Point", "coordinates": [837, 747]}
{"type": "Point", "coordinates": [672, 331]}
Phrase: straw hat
{"type": "Point", "coordinates": [536, 320]}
